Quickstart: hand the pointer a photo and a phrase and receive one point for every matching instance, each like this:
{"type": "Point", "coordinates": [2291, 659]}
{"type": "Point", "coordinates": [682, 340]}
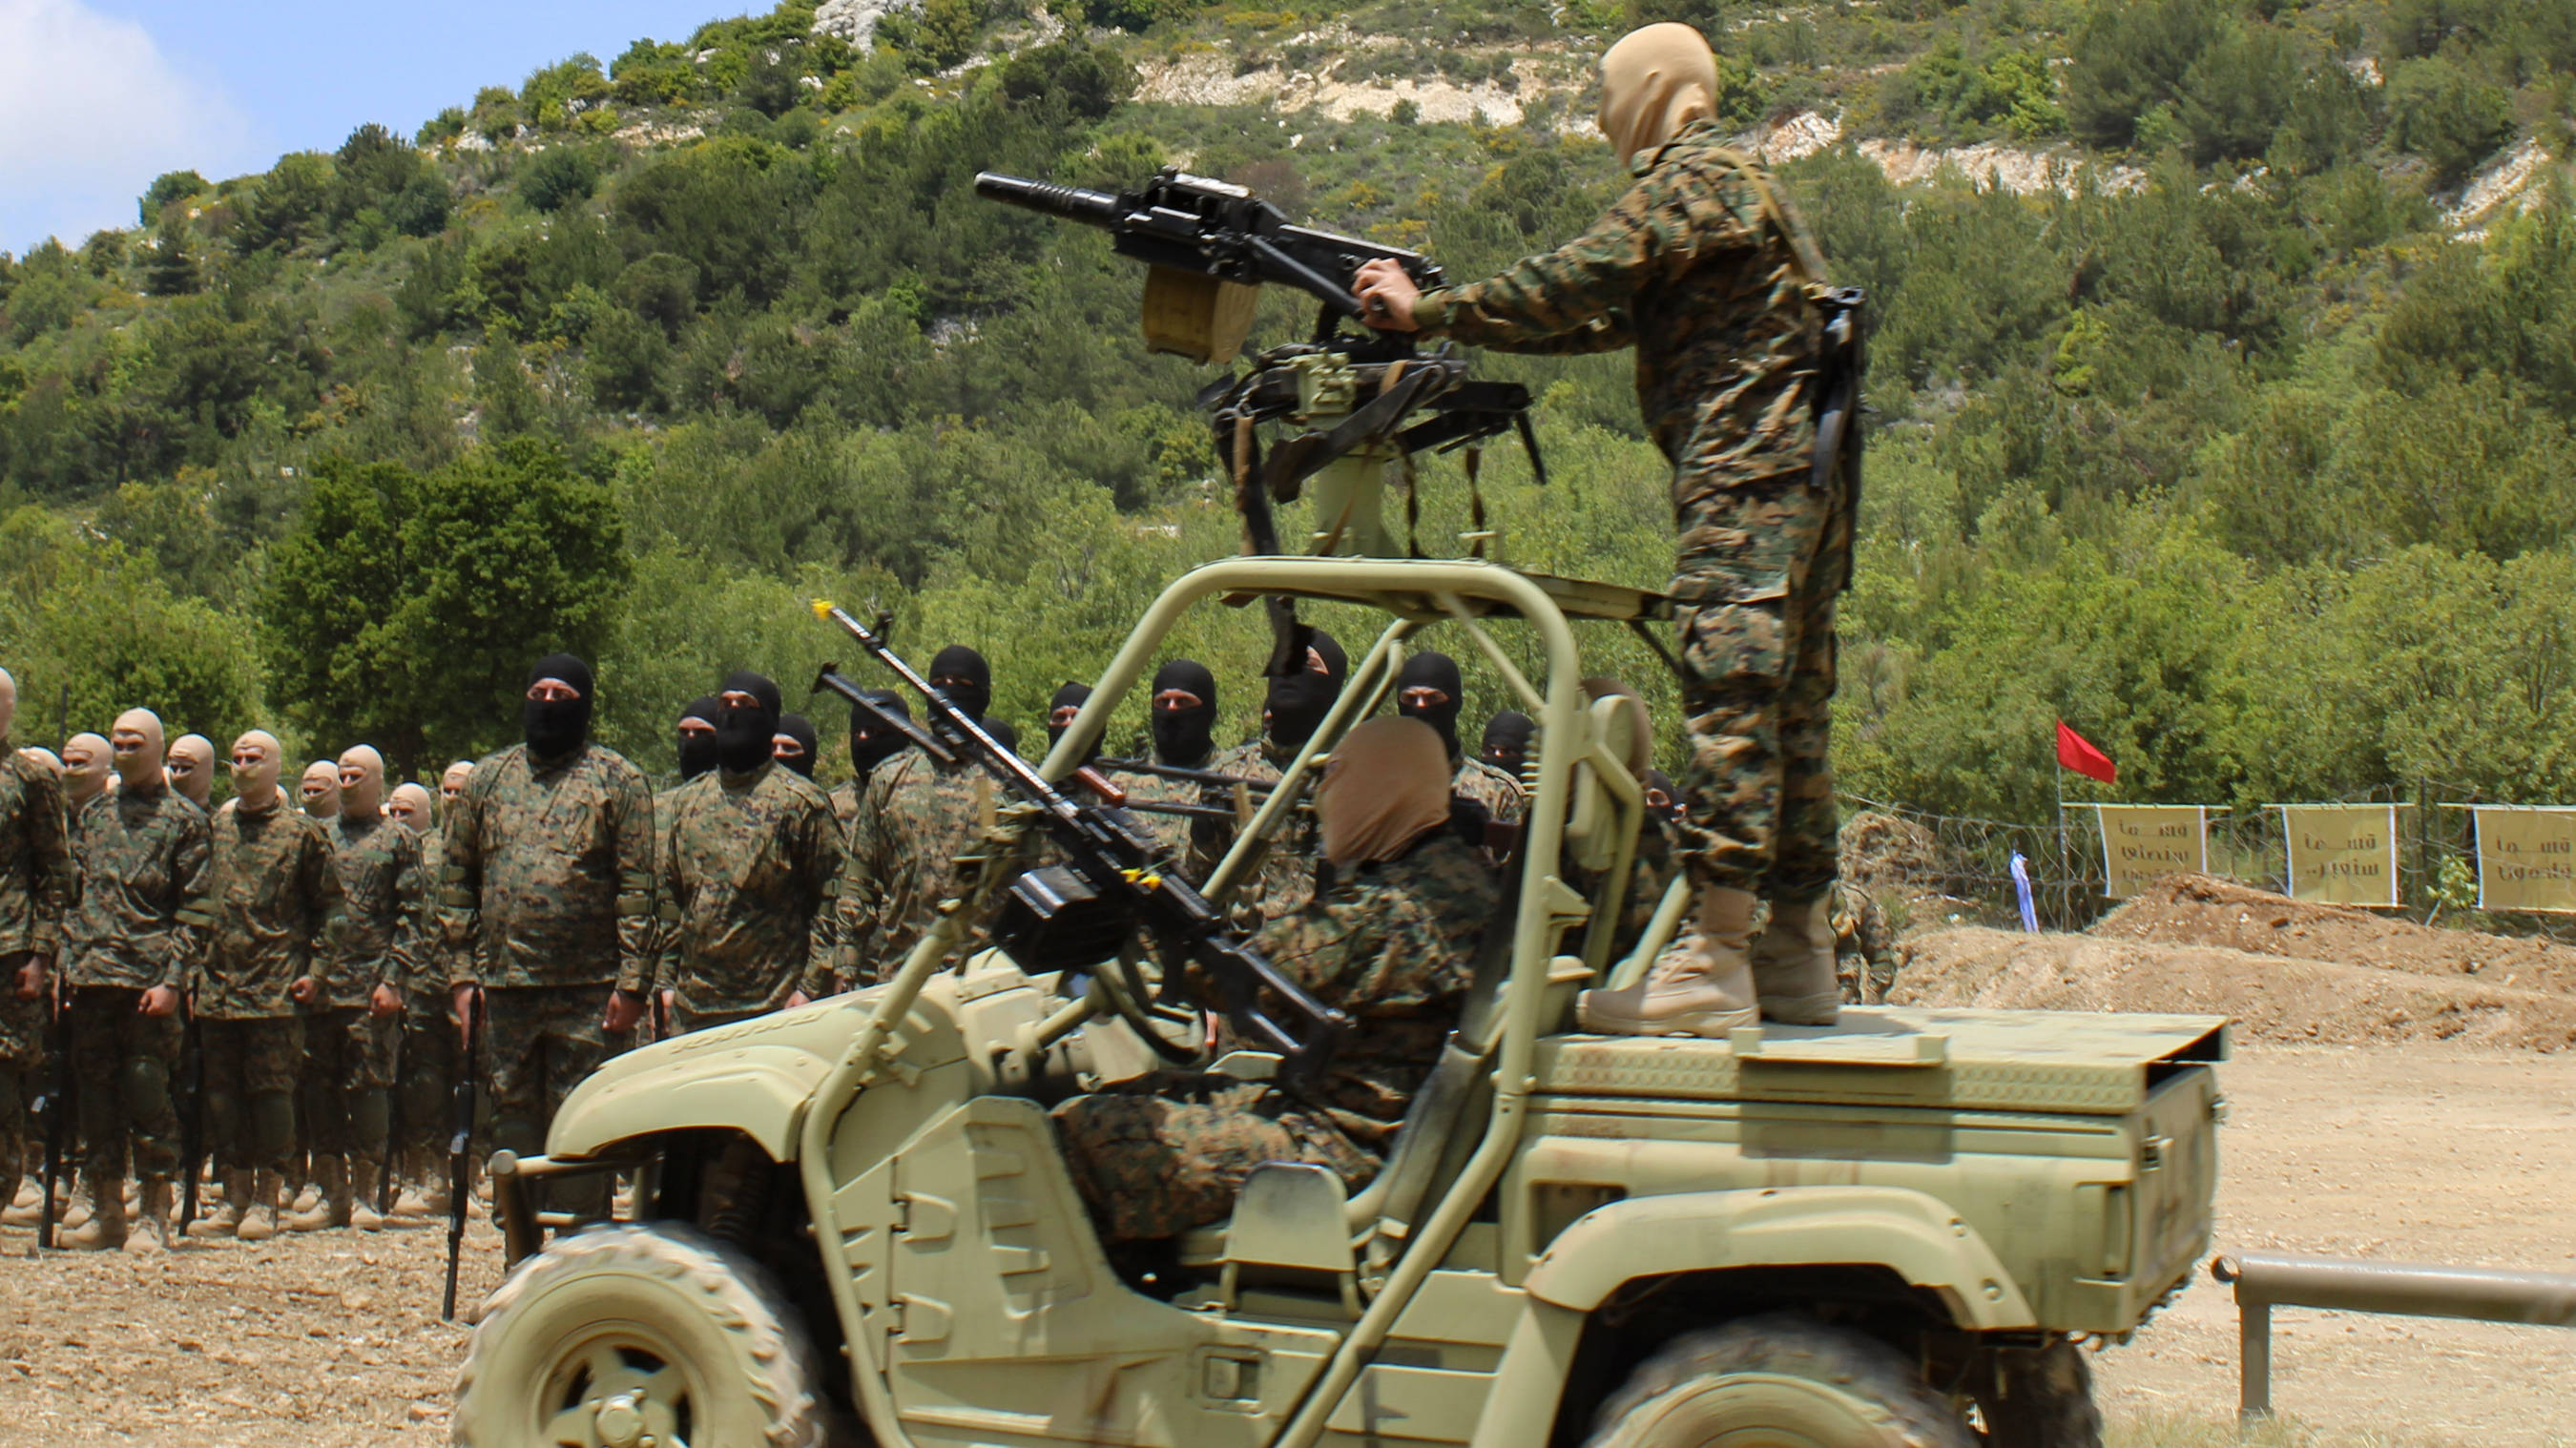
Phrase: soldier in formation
{"type": "Point", "coordinates": [35, 887]}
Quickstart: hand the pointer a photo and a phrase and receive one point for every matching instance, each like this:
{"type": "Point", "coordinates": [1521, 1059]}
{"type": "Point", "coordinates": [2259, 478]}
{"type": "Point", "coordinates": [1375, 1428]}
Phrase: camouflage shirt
{"type": "Point", "coordinates": [1499, 793]}
{"type": "Point", "coordinates": [35, 857]}
{"type": "Point", "coordinates": [846, 797]}
{"type": "Point", "coordinates": [904, 846]}
{"type": "Point", "coordinates": [548, 875]}
{"type": "Point", "coordinates": [1688, 268]}
{"type": "Point", "coordinates": [1170, 831]}
{"type": "Point", "coordinates": [1287, 878]}
{"type": "Point", "coordinates": [142, 910]}
{"type": "Point", "coordinates": [383, 879]}
{"type": "Point", "coordinates": [277, 908]}
{"type": "Point", "coordinates": [1395, 946]}
{"type": "Point", "coordinates": [746, 890]}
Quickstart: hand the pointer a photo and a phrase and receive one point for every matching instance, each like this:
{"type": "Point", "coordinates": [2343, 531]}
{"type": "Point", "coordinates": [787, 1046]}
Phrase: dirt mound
{"type": "Point", "coordinates": [1888, 852]}
{"type": "Point", "coordinates": [2203, 910]}
{"type": "Point", "coordinates": [2271, 997]}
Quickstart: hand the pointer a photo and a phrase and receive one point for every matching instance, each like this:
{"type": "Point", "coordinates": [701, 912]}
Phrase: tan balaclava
{"type": "Point", "coordinates": [1387, 784]}
{"type": "Point", "coordinates": [85, 759]}
{"type": "Point", "coordinates": [362, 783]}
{"type": "Point", "coordinates": [451, 785]}
{"type": "Point", "coordinates": [8, 704]}
{"type": "Point", "coordinates": [257, 761]}
{"type": "Point", "coordinates": [321, 789]}
{"type": "Point", "coordinates": [410, 805]}
{"type": "Point", "coordinates": [1654, 82]}
{"type": "Point", "coordinates": [45, 759]}
{"type": "Point", "coordinates": [192, 768]}
{"type": "Point", "coordinates": [140, 751]}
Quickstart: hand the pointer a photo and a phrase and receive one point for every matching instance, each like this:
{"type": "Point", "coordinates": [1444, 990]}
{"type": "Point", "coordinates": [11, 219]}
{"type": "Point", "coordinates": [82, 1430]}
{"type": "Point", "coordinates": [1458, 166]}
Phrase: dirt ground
{"type": "Point", "coordinates": [2398, 1094]}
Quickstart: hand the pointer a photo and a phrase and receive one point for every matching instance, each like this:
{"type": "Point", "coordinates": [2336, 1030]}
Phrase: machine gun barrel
{"type": "Point", "coordinates": [1049, 198]}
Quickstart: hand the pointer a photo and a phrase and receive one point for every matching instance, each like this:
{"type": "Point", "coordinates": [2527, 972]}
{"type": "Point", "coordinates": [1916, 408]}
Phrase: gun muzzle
{"type": "Point", "coordinates": [1073, 203]}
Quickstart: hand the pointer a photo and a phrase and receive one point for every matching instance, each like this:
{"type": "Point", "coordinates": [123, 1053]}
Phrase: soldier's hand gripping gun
{"type": "Point", "coordinates": [1115, 882]}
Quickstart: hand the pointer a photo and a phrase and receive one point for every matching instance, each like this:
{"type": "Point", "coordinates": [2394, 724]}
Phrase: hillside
{"type": "Point", "coordinates": [2220, 388]}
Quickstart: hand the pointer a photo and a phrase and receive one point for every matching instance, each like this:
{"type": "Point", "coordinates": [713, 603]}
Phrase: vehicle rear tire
{"type": "Point", "coordinates": [627, 1332]}
{"type": "Point", "coordinates": [2041, 1397]}
{"type": "Point", "coordinates": [1777, 1381]}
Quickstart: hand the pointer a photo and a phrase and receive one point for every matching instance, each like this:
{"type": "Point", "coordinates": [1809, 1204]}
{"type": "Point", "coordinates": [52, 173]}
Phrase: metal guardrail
{"type": "Point", "coordinates": [2265, 1280]}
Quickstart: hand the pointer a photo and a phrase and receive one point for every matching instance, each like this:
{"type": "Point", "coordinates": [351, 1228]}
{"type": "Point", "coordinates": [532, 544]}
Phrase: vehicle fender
{"type": "Point", "coordinates": [759, 1090]}
{"type": "Point", "coordinates": [1912, 1234]}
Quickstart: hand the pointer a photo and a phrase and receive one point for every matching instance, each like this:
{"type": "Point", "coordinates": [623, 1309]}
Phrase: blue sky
{"type": "Point", "coordinates": [99, 96]}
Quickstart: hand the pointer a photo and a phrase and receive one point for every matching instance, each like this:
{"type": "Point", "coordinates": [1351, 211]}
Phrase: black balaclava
{"type": "Point", "coordinates": [557, 729]}
{"type": "Point", "coordinates": [1507, 741]}
{"type": "Point", "coordinates": [800, 729]}
{"type": "Point", "coordinates": [1298, 703]}
{"type": "Point", "coordinates": [743, 735]}
{"type": "Point", "coordinates": [1656, 780]}
{"type": "Point", "coordinates": [698, 751]}
{"type": "Point", "coordinates": [1429, 670]}
{"type": "Point", "coordinates": [871, 746]}
{"type": "Point", "coordinates": [959, 661]}
{"type": "Point", "coordinates": [1002, 732]}
{"type": "Point", "coordinates": [1071, 695]}
{"type": "Point", "coordinates": [1185, 737]}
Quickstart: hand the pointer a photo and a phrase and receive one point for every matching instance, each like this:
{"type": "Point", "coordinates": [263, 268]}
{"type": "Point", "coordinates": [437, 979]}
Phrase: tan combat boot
{"type": "Point", "coordinates": [1701, 987]}
{"type": "Point", "coordinates": [421, 1174]}
{"type": "Point", "coordinates": [103, 1230]}
{"type": "Point", "coordinates": [332, 1209]}
{"type": "Point", "coordinates": [1793, 965]}
{"type": "Point", "coordinates": [25, 1209]}
{"type": "Point", "coordinates": [259, 1218]}
{"type": "Point", "coordinates": [225, 1219]}
{"type": "Point", "coordinates": [362, 1197]}
{"type": "Point", "coordinates": [152, 1210]}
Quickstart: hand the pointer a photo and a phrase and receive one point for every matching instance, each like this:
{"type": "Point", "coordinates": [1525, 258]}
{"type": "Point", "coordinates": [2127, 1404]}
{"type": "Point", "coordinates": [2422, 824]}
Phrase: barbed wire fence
{"type": "Point", "coordinates": [1961, 867]}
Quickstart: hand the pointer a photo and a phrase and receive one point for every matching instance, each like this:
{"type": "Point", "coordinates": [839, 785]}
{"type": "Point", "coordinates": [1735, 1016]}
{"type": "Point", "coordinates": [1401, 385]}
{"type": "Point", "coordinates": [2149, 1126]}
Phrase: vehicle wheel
{"type": "Point", "coordinates": [624, 1334]}
{"type": "Point", "coordinates": [2041, 1397]}
{"type": "Point", "coordinates": [1777, 1382]}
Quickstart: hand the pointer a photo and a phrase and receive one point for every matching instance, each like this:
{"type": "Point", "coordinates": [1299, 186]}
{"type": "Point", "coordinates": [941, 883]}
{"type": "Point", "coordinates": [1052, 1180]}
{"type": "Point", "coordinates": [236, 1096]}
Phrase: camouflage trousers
{"type": "Point", "coordinates": [685, 1020]}
{"type": "Point", "coordinates": [538, 1043]}
{"type": "Point", "coordinates": [427, 1090]}
{"type": "Point", "coordinates": [249, 1100]}
{"type": "Point", "coordinates": [22, 1072]}
{"type": "Point", "coordinates": [348, 1081]}
{"type": "Point", "coordinates": [1863, 981]}
{"type": "Point", "coordinates": [122, 1062]}
{"type": "Point", "coordinates": [1159, 1155]}
{"type": "Point", "coordinates": [1762, 562]}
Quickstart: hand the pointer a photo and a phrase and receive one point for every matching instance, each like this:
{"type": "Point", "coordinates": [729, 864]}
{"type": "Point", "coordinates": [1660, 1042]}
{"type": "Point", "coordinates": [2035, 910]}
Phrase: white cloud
{"type": "Point", "coordinates": [90, 112]}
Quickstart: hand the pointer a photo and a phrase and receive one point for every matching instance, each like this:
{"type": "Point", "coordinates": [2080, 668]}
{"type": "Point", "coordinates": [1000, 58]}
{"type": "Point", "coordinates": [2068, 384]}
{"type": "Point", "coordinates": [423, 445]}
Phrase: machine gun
{"type": "Point", "coordinates": [1114, 883]}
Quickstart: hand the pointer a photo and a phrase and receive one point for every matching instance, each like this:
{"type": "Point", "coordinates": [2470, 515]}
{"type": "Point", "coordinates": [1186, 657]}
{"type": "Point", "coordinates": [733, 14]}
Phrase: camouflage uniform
{"type": "Point", "coordinates": [348, 1049]}
{"type": "Point", "coordinates": [1170, 831]}
{"type": "Point", "coordinates": [1864, 953]}
{"type": "Point", "coordinates": [1286, 882]}
{"type": "Point", "coordinates": [35, 884]}
{"type": "Point", "coordinates": [1703, 276]}
{"type": "Point", "coordinates": [428, 1053]}
{"type": "Point", "coordinates": [1498, 793]}
{"type": "Point", "coordinates": [546, 900]}
{"type": "Point", "coordinates": [846, 799]}
{"type": "Point", "coordinates": [745, 895]}
{"type": "Point", "coordinates": [278, 917]}
{"type": "Point", "coordinates": [139, 922]}
{"type": "Point", "coordinates": [921, 816]}
{"type": "Point", "coordinates": [1393, 945]}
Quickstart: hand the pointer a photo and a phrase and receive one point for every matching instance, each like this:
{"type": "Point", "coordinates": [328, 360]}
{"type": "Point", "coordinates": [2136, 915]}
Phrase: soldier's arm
{"type": "Point", "coordinates": [403, 954]}
{"type": "Point", "coordinates": [820, 855]}
{"type": "Point", "coordinates": [49, 855]}
{"type": "Point", "coordinates": [326, 912]}
{"type": "Point", "coordinates": [460, 885]}
{"type": "Point", "coordinates": [193, 869]}
{"type": "Point", "coordinates": [1572, 299]}
{"type": "Point", "coordinates": [632, 805]}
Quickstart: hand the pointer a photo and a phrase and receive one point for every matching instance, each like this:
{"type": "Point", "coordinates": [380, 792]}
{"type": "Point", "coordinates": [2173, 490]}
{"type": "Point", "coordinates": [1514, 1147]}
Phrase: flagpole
{"type": "Point", "coordinates": [2057, 772]}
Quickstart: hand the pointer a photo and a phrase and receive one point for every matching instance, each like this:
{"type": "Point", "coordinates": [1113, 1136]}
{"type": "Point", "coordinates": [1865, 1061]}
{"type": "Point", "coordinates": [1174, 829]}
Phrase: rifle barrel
{"type": "Point", "coordinates": [1049, 198]}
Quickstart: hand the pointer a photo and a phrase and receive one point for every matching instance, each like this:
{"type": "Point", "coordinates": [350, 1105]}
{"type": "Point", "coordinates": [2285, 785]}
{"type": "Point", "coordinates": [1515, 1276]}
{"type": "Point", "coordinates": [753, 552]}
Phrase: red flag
{"type": "Point", "coordinates": [2077, 753]}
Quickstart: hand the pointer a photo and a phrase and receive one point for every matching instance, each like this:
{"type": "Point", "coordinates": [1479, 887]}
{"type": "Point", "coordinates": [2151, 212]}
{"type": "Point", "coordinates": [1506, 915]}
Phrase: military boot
{"type": "Point", "coordinates": [25, 1208]}
{"type": "Point", "coordinates": [362, 1197]}
{"type": "Point", "coordinates": [259, 1219]}
{"type": "Point", "coordinates": [420, 1175]}
{"type": "Point", "coordinates": [77, 1206]}
{"type": "Point", "coordinates": [1793, 965]}
{"type": "Point", "coordinates": [103, 1230]}
{"type": "Point", "coordinates": [153, 1204]}
{"type": "Point", "coordinates": [1701, 987]}
{"type": "Point", "coordinates": [332, 1208]}
{"type": "Point", "coordinates": [226, 1218]}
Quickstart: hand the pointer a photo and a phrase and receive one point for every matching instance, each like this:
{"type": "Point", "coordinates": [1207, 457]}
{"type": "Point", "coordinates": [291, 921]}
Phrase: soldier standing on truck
{"type": "Point", "coordinates": [747, 878]}
{"type": "Point", "coordinates": [35, 884]}
{"type": "Point", "coordinates": [1703, 269]}
{"type": "Point", "coordinates": [546, 910]}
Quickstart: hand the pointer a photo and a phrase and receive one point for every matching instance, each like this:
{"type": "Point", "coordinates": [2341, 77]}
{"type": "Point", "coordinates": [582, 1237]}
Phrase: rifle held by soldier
{"type": "Point", "coordinates": [460, 1153]}
{"type": "Point", "coordinates": [55, 1106]}
{"type": "Point", "coordinates": [393, 1129]}
{"type": "Point", "coordinates": [192, 1127]}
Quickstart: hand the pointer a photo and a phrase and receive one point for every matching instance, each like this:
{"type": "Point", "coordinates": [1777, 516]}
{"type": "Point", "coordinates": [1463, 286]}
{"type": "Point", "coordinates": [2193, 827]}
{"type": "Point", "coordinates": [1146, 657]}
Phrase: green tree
{"type": "Point", "coordinates": [558, 176]}
{"type": "Point", "coordinates": [2446, 115]}
{"type": "Point", "coordinates": [167, 187]}
{"type": "Point", "coordinates": [405, 607]}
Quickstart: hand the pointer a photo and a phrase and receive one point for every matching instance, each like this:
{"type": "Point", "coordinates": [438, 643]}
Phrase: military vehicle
{"type": "Point", "coordinates": [852, 1222]}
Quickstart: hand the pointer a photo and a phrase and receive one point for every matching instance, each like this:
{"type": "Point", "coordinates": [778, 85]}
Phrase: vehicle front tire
{"type": "Point", "coordinates": [626, 1333]}
{"type": "Point", "coordinates": [2041, 1397]}
{"type": "Point", "coordinates": [1777, 1381]}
